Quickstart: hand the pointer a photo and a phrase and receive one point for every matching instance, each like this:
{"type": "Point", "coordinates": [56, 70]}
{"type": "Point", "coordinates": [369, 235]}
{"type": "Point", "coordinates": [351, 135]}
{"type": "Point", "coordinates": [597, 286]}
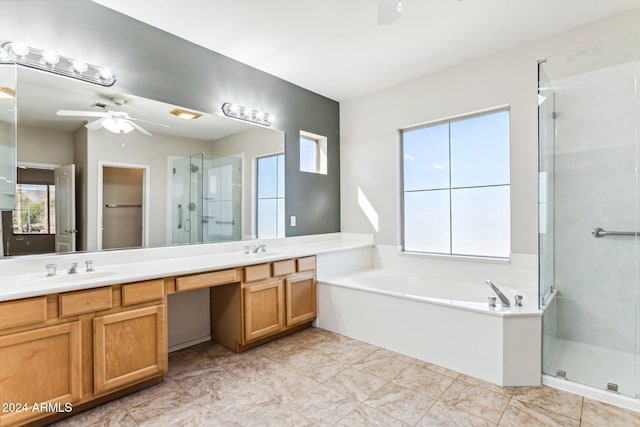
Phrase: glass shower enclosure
{"type": "Point", "coordinates": [589, 215]}
{"type": "Point", "coordinates": [206, 199]}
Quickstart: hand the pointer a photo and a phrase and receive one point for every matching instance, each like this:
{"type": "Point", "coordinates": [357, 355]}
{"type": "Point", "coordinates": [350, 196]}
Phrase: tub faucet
{"type": "Point", "coordinates": [503, 299]}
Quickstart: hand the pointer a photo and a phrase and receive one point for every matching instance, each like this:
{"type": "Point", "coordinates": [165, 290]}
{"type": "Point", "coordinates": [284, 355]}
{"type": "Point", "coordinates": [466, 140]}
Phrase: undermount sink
{"type": "Point", "coordinates": [77, 277]}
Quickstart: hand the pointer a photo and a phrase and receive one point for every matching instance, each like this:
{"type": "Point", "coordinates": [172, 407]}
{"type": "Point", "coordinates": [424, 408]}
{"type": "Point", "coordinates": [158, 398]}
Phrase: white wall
{"type": "Point", "coordinates": [369, 127]}
{"type": "Point", "coordinates": [42, 145]}
{"type": "Point", "coordinates": [249, 145]}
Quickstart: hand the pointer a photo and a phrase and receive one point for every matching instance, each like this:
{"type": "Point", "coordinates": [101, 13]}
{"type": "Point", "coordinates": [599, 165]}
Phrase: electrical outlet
{"type": "Point", "coordinates": [293, 220]}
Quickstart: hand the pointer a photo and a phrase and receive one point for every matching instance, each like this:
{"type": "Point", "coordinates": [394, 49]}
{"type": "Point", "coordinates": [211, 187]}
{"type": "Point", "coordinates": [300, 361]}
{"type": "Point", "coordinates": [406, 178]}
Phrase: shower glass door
{"type": "Point", "coordinates": [589, 286]}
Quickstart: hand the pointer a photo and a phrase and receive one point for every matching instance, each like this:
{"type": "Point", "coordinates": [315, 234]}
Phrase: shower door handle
{"type": "Point", "coordinates": [600, 232]}
{"type": "Point", "coordinates": [179, 216]}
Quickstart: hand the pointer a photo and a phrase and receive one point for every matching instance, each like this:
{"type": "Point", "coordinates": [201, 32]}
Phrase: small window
{"type": "Point", "coordinates": [35, 209]}
{"type": "Point", "coordinates": [456, 187]}
{"type": "Point", "coordinates": [313, 153]}
{"type": "Point", "coordinates": [270, 192]}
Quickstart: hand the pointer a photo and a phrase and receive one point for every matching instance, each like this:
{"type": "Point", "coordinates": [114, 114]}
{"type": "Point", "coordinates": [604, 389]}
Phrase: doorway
{"type": "Point", "coordinates": [123, 207]}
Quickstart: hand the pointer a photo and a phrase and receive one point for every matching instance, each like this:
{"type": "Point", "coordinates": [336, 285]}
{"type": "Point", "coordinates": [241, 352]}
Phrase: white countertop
{"type": "Point", "coordinates": [168, 262]}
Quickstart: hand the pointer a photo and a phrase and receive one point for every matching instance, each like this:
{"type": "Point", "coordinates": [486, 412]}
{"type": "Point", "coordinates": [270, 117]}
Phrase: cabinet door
{"type": "Point", "coordinates": [128, 347]}
{"type": "Point", "coordinates": [263, 309]}
{"type": "Point", "coordinates": [41, 366]}
{"type": "Point", "coordinates": [301, 298]}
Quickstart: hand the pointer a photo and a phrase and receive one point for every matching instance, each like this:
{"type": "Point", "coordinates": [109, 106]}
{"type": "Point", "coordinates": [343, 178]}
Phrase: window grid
{"type": "Point", "coordinates": [276, 224]}
{"type": "Point", "coordinates": [450, 189]}
{"type": "Point", "coordinates": [42, 221]}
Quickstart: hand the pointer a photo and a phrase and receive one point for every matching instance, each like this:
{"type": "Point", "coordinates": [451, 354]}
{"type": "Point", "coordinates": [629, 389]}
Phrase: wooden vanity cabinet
{"type": "Point", "coordinates": [263, 309]}
{"type": "Point", "coordinates": [273, 299]}
{"type": "Point", "coordinates": [41, 367]}
{"type": "Point", "coordinates": [128, 347]}
{"type": "Point", "coordinates": [300, 292]}
{"type": "Point", "coordinates": [77, 347]}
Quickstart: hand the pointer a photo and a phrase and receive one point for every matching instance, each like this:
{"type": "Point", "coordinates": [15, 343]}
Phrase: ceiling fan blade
{"type": "Point", "coordinates": [388, 12]}
{"type": "Point", "coordinates": [138, 128]}
{"type": "Point", "coordinates": [148, 121]}
{"type": "Point", "coordinates": [94, 125]}
{"type": "Point", "coordinates": [82, 113]}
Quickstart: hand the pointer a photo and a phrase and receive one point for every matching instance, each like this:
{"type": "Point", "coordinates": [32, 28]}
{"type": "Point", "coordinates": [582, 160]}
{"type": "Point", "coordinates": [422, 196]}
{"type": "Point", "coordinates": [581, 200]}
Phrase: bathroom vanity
{"type": "Point", "coordinates": [75, 349]}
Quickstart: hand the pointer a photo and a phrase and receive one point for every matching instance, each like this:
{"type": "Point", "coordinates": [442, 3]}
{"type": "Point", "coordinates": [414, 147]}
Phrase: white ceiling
{"type": "Point", "coordinates": [42, 94]}
{"type": "Point", "coordinates": [335, 47]}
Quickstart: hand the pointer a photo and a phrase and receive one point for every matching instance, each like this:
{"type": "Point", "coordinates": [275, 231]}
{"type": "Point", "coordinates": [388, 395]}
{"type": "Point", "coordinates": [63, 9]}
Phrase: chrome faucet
{"type": "Point", "coordinates": [74, 268]}
{"type": "Point", "coordinates": [503, 299]}
{"type": "Point", "coordinates": [262, 247]}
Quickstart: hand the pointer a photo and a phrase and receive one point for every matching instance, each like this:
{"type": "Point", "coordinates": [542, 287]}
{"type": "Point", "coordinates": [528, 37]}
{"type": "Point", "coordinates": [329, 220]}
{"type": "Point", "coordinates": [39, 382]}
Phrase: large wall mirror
{"type": "Point", "coordinates": [99, 169]}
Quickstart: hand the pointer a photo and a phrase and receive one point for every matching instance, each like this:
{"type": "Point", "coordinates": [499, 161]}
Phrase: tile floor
{"type": "Point", "coordinates": [318, 378]}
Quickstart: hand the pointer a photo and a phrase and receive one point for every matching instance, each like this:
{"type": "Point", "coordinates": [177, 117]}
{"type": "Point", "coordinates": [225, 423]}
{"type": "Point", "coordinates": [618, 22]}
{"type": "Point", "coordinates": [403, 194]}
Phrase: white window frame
{"type": "Point", "coordinates": [320, 152]}
{"type": "Point", "coordinates": [439, 122]}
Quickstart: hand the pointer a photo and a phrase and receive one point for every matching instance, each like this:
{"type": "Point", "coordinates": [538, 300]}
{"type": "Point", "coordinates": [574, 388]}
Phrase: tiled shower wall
{"type": "Point", "coordinates": [596, 185]}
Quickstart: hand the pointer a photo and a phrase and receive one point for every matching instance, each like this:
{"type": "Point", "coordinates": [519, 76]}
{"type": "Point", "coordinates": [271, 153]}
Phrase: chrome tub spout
{"type": "Point", "coordinates": [503, 299]}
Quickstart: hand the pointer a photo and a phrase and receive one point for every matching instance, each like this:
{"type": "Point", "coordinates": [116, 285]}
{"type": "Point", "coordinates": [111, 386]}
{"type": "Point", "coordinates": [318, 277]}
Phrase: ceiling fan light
{"type": "Point", "coordinates": [124, 126]}
{"type": "Point", "coordinates": [110, 125]}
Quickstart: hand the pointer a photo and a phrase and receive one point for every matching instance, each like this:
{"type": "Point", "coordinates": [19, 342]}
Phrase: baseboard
{"type": "Point", "coordinates": [189, 343]}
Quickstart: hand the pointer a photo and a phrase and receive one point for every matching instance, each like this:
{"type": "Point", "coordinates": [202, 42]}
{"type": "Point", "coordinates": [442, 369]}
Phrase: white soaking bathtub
{"type": "Point", "coordinates": [442, 321]}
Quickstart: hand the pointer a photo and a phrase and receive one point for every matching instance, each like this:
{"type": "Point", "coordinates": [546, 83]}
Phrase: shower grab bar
{"type": "Point", "coordinates": [122, 206]}
{"type": "Point", "coordinates": [226, 222]}
{"type": "Point", "coordinates": [600, 232]}
{"type": "Point", "coordinates": [179, 216]}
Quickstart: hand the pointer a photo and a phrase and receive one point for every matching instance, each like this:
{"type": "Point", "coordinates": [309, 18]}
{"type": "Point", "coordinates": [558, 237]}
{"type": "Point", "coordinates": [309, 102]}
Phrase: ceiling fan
{"type": "Point", "coordinates": [389, 11]}
{"type": "Point", "coordinates": [113, 121]}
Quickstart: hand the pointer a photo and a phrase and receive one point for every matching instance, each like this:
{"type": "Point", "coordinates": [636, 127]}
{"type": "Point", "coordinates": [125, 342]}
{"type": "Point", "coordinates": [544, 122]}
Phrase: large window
{"type": "Point", "coordinates": [270, 191]}
{"type": "Point", "coordinates": [35, 209]}
{"type": "Point", "coordinates": [456, 187]}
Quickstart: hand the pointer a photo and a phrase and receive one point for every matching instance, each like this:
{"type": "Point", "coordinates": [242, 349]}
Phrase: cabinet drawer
{"type": "Point", "coordinates": [254, 273]}
{"type": "Point", "coordinates": [137, 293]}
{"type": "Point", "coordinates": [282, 268]}
{"type": "Point", "coordinates": [306, 263]}
{"type": "Point", "coordinates": [206, 280]}
{"type": "Point", "coordinates": [23, 312]}
{"type": "Point", "coordinates": [85, 301]}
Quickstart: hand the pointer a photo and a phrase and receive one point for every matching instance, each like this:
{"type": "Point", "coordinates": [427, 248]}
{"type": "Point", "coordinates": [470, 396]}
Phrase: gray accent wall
{"type": "Point", "coordinates": [154, 64]}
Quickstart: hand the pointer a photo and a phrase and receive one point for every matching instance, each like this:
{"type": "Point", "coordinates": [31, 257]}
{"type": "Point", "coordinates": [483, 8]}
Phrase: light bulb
{"type": "Point", "coordinates": [259, 115]}
{"type": "Point", "coordinates": [234, 108]}
{"type": "Point", "coordinates": [78, 66]}
{"type": "Point", "coordinates": [105, 74]}
{"type": "Point", "coordinates": [110, 125]}
{"type": "Point", "coordinates": [50, 58]}
{"type": "Point", "coordinates": [400, 7]}
{"type": "Point", "coordinates": [19, 49]}
{"type": "Point", "coordinates": [269, 118]}
{"type": "Point", "coordinates": [124, 126]}
{"type": "Point", "coordinates": [247, 112]}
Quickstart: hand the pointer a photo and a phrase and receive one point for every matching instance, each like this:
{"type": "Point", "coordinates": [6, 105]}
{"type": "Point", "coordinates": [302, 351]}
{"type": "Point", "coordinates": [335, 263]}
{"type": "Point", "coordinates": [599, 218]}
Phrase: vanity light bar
{"type": "Point", "coordinates": [245, 113]}
{"type": "Point", "coordinates": [48, 60]}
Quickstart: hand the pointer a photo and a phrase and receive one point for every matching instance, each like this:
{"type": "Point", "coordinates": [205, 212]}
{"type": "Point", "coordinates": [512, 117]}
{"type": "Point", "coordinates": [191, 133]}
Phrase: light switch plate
{"type": "Point", "coordinates": [293, 220]}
